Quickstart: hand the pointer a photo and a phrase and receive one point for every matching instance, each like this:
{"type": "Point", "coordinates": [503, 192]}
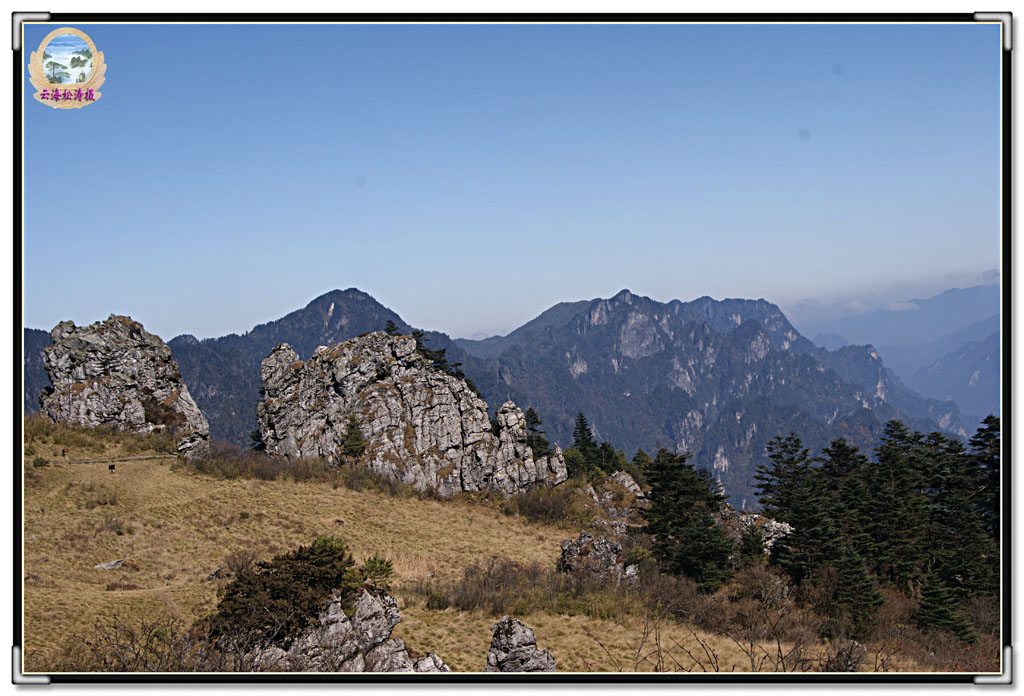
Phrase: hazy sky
{"type": "Point", "coordinates": [468, 177]}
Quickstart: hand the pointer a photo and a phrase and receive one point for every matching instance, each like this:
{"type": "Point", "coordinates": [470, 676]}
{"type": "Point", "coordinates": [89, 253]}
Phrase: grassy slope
{"type": "Point", "coordinates": [177, 527]}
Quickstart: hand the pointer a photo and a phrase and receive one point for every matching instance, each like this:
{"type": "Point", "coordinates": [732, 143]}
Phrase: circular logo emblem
{"type": "Point", "coordinates": [67, 70]}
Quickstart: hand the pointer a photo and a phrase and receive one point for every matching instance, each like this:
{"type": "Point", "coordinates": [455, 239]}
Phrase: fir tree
{"type": "Point", "coordinates": [681, 520]}
{"type": "Point", "coordinates": [391, 328]}
{"type": "Point", "coordinates": [984, 449]}
{"type": "Point", "coordinates": [780, 482]}
{"type": "Point", "coordinates": [751, 549]}
{"type": "Point", "coordinates": [353, 445]}
{"type": "Point", "coordinates": [582, 437]}
{"type": "Point", "coordinates": [641, 465]}
{"type": "Point", "coordinates": [938, 610]}
{"type": "Point", "coordinates": [857, 596]}
{"type": "Point", "coordinates": [898, 508]}
{"type": "Point", "coordinates": [535, 436]}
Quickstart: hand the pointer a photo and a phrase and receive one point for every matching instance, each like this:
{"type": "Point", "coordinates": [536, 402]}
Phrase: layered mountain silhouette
{"type": "Point", "coordinates": [717, 378]}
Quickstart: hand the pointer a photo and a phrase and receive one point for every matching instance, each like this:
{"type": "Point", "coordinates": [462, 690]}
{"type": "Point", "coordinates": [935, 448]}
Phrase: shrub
{"type": "Point", "coordinates": [378, 572]}
{"type": "Point", "coordinates": [113, 523]}
{"type": "Point", "coordinates": [239, 562]}
{"type": "Point", "coordinates": [564, 505]}
{"type": "Point", "coordinates": [39, 462]}
{"type": "Point", "coordinates": [274, 600]}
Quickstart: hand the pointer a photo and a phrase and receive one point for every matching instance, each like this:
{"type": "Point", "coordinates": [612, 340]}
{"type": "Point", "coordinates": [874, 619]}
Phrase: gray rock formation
{"type": "Point", "coordinates": [594, 557]}
{"type": "Point", "coordinates": [115, 373]}
{"type": "Point", "coordinates": [339, 643]}
{"type": "Point", "coordinates": [628, 482]}
{"type": "Point", "coordinates": [735, 523]}
{"type": "Point", "coordinates": [421, 425]}
{"type": "Point", "coordinates": [514, 649]}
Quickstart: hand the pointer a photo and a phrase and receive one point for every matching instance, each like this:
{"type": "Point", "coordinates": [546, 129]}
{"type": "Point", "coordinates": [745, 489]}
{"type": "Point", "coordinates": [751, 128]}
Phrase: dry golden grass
{"type": "Point", "coordinates": [178, 527]}
{"type": "Point", "coordinates": [173, 527]}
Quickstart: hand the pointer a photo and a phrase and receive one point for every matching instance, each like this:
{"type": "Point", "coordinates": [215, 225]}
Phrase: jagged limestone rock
{"type": "Point", "coordinates": [594, 557]}
{"type": "Point", "coordinates": [115, 373]}
{"type": "Point", "coordinates": [335, 642]}
{"type": "Point", "coordinates": [514, 649]}
{"type": "Point", "coordinates": [420, 425]}
{"type": "Point", "coordinates": [735, 523]}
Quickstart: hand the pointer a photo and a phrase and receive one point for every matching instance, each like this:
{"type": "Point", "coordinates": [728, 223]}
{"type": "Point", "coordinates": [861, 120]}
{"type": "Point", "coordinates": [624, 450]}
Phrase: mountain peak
{"type": "Point", "coordinates": [624, 295]}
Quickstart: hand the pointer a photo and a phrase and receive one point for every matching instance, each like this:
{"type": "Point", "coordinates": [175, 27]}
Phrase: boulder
{"type": "Point", "coordinates": [420, 425]}
{"type": "Point", "coordinates": [109, 565]}
{"type": "Point", "coordinates": [594, 557]}
{"type": "Point", "coordinates": [335, 642]}
{"type": "Point", "coordinates": [115, 373]}
{"type": "Point", "coordinates": [514, 649]}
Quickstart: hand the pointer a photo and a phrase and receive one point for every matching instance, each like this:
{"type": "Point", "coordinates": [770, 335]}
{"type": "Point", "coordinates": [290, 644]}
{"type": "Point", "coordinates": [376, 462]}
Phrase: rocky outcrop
{"type": "Point", "coordinates": [420, 425]}
{"type": "Point", "coordinates": [736, 523]}
{"type": "Point", "coordinates": [594, 557]}
{"type": "Point", "coordinates": [336, 642]}
{"type": "Point", "coordinates": [514, 649]}
{"type": "Point", "coordinates": [115, 373]}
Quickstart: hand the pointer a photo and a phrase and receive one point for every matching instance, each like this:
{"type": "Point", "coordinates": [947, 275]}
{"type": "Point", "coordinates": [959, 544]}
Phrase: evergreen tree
{"type": "Point", "coordinates": [535, 436]}
{"type": "Point", "coordinates": [641, 466]}
{"type": "Point", "coordinates": [353, 445]}
{"type": "Point", "coordinates": [938, 610]}
{"type": "Point", "coordinates": [681, 520]}
{"type": "Point", "coordinates": [857, 595]}
{"type": "Point", "coordinates": [583, 438]}
{"type": "Point", "coordinates": [780, 482]}
{"type": "Point", "coordinates": [609, 460]}
{"type": "Point", "coordinates": [984, 448]}
{"type": "Point", "coordinates": [391, 328]}
{"type": "Point", "coordinates": [844, 471]}
{"type": "Point", "coordinates": [898, 508]}
{"type": "Point", "coordinates": [962, 552]}
{"type": "Point", "coordinates": [751, 550]}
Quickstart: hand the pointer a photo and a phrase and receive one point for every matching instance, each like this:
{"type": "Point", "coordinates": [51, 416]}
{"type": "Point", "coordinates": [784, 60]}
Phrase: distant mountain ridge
{"type": "Point", "coordinates": [969, 376]}
{"type": "Point", "coordinates": [914, 321]}
{"type": "Point", "coordinates": [718, 378]}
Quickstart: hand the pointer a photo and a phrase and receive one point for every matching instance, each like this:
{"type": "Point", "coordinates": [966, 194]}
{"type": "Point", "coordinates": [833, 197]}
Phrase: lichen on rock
{"type": "Point", "coordinates": [337, 642]}
{"type": "Point", "coordinates": [420, 425]}
{"type": "Point", "coordinates": [115, 373]}
{"type": "Point", "coordinates": [514, 649]}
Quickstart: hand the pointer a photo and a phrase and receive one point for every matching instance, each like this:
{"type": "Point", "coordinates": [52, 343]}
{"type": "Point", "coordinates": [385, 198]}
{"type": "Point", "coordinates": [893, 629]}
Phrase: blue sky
{"type": "Point", "coordinates": [469, 177]}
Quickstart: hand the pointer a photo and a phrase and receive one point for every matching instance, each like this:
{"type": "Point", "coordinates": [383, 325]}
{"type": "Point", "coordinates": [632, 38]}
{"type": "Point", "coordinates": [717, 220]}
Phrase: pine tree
{"type": "Point", "coordinates": [962, 552]}
{"type": "Point", "coordinates": [897, 507]}
{"type": "Point", "coordinates": [751, 548]}
{"type": "Point", "coordinates": [682, 522]}
{"type": "Point", "coordinates": [641, 466]}
{"type": "Point", "coordinates": [938, 609]}
{"type": "Point", "coordinates": [857, 595]}
{"type": "Point", "coordinates": [353, 445]}
{"type": "Point", "coordinates": [535, 436]}
{"type": "Point", "coordinates": [844, 470]}
{"type": "Point", "coordinates": [390, 328]}
{"type": "Point", "coordinates": [984, 450]}
{"type": "Point", "coordinates": [779, 483]}
{"type": "Point", "coordinates": [582, 437]}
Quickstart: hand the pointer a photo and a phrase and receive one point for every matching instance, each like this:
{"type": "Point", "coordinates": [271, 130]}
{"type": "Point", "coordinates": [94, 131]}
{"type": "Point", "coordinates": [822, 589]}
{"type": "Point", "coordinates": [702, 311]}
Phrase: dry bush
{"type": "Point", "coordinates": [163, 645]}
{"type": "Point", "coordinates": [113, 523]}
{"type": "Point", "coordinates": [241, 561]}
{"type": "Point", "coordinates": [984, 615]}
{"type": "Point", "coordinates": [566, 505]}
{"type": "Point", "coordinates": [501, 587]}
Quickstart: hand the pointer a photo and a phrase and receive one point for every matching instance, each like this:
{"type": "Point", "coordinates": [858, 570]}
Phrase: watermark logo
{"type": "Point", "coordinates": [67, 70]}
